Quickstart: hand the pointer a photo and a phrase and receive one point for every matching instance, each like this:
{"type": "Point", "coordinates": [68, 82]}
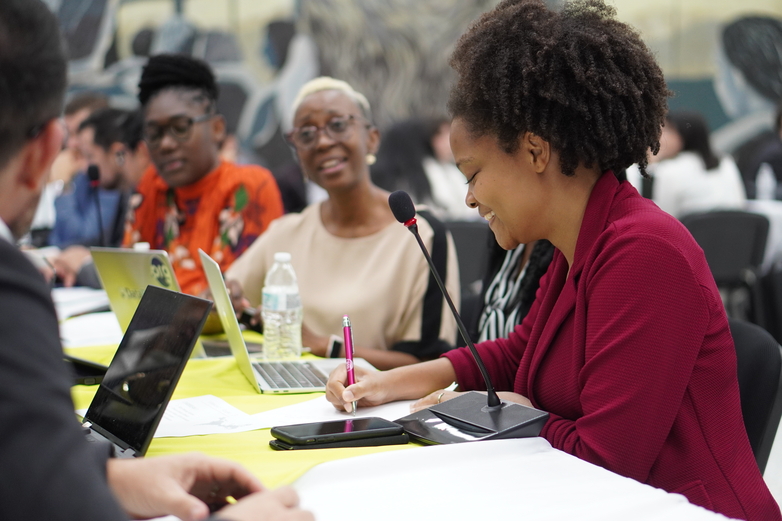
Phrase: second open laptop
{"type": "Point", "coordinates": [294, 376]}
{"type": "Point", "coordinates": [125, 275]}
{"type": "Point", "coordinates": [141, 378]}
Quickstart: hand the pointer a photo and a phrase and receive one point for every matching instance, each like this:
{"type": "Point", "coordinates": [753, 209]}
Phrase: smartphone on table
{"type": "Point", "coordinates": [353, 432]}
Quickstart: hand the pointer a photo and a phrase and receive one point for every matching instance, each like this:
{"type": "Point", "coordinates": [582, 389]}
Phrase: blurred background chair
{"type": "Point", "coordinates": [471, 239]}
{"type": "Point", "coordinates": [734, 242]}
{"type": "Point", "coordinates": [759, 364]}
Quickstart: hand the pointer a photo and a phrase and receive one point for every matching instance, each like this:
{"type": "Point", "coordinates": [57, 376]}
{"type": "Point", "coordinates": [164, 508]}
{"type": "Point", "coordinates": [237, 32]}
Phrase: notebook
{"type": "Point", "coordinates": [293, 376]}
{"type": "Point", "coordinates": [126, 273]}
{"type": "Point", "coordinates": [141, 378]}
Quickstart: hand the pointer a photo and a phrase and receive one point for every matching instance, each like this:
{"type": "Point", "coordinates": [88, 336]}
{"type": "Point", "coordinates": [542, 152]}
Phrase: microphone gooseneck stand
{"type": "Point", "coordinates": [470, 416]}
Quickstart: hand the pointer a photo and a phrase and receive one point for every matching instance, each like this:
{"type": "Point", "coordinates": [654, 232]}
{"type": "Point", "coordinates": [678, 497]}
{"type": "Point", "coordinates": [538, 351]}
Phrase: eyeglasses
{"type": "Point", "coordinates": [178, 127]}
{"type": "Point", "coordinates": [338, 128]}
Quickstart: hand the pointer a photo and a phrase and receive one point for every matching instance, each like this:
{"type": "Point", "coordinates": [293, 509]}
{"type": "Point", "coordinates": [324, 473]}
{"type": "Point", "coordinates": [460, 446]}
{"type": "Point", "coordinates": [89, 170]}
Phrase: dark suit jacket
{"type": "Point", "coordinates": [47, 468]}
{"type": "Point", "coordinates": [632, 357]}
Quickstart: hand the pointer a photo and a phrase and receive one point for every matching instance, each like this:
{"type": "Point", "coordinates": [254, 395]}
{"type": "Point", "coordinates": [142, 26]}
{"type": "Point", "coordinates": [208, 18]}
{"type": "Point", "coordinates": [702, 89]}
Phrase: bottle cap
{"type": "Point", "coordinates": [282, 256]}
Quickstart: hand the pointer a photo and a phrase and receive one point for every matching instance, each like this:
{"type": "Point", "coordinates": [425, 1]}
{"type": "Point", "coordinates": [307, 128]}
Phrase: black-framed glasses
{"type": "Point", "coordinates": [178, 127]}
{"type": "Point", "coordinates": [338, 128]}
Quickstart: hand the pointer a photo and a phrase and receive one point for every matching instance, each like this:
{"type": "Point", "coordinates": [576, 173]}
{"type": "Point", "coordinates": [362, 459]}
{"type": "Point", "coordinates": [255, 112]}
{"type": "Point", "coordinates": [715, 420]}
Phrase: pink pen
{"type": "Point", "coordinates": [347, 333]}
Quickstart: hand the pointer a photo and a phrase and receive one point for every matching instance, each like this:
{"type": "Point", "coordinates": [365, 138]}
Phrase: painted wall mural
{"type": "Point", "coordinates": [720, 57]}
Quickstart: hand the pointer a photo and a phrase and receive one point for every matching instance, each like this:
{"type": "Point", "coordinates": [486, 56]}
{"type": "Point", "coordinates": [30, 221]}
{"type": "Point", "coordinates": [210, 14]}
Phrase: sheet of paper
{"type": "Point", "coordinates": [93, 329]}
{"type": "Point", "coordinates": [198, 416]}
{"type": "Point", "coordinates": [202, 415]}
{"type": "Point", "coordinates": [211, 415]}
{"type": "Point", "coordinates": [319, 410]}
{"type": "Point", "coordinates": [69, 302]}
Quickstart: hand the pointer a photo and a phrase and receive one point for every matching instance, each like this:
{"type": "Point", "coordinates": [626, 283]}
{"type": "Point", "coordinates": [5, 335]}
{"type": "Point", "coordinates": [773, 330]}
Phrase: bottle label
{"type": "Point", "coordinates": [280, 300]}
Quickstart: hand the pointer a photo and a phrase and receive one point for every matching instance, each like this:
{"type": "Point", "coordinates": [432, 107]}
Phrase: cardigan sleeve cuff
{"type": "Point", "coordinates": [467, 374]}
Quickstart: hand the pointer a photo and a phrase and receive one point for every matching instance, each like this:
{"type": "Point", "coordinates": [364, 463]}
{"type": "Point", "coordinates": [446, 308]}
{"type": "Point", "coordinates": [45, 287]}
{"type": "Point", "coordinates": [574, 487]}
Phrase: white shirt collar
{"type": "Point", "coordinates": [5, 232]}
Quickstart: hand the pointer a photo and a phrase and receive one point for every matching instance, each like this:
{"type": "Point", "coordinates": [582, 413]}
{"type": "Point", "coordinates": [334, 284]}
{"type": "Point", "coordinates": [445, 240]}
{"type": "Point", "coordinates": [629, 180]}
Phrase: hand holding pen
{"type": "Point", "coordinates": [347, 333]}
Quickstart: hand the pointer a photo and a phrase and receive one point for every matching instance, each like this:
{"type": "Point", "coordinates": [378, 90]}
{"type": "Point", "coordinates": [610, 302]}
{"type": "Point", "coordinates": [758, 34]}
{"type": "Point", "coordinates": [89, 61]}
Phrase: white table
{"type": "Point", "coordinates": [523, 479]}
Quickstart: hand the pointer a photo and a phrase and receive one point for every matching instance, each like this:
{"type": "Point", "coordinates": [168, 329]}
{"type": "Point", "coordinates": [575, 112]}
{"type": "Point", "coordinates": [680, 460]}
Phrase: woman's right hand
{"type": "Point", "coordinates": [238, 300]}
{"type": "Point", "coordinates": [371, 388]}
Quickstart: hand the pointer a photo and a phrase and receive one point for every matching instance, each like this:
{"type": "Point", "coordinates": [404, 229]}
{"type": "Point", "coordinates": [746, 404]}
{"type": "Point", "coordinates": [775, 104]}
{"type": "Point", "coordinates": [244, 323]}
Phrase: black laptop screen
{"type": "Point", "coordinates": [142, 376]}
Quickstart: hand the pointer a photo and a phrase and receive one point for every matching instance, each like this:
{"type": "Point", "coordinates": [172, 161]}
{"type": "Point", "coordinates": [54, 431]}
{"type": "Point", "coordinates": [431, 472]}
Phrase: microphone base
{"type": "Point", "coordinates": [468, 418]}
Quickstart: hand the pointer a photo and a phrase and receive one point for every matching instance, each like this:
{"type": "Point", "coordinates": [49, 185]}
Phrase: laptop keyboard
{"type": "Point", "coordinates": [291, 375]}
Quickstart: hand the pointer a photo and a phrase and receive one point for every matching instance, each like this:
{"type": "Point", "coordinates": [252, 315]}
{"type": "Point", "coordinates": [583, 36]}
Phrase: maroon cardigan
{"type": "Point", "coordinates": [632, 357]}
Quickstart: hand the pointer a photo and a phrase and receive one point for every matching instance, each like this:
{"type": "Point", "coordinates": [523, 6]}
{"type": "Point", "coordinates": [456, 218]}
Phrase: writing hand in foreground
{"type": "Point", "coordinates": [187, 485]}
{"type": "Point", "coordinates": [281, 504]}
{"type": "Point", "coordinates": [370, 388]}
{"type": "Point", "coordinates": [441, 395]}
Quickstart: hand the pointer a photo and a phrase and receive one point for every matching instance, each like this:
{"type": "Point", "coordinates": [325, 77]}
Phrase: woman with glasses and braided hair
{"type": "Point", "coordinates": [349, 253]}
{"type": "Point", "coordinates": [189, 199]}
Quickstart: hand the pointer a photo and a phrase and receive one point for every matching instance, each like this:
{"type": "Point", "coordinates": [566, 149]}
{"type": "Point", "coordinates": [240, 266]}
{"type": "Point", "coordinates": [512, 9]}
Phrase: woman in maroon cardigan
{"type": "Point", "coordinates": [627, 345]}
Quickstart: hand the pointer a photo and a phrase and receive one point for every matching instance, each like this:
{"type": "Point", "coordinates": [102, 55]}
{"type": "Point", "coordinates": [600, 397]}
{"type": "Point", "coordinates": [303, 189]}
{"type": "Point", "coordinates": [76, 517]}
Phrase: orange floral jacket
{"type": "Point", "coordinates": [222, 214]}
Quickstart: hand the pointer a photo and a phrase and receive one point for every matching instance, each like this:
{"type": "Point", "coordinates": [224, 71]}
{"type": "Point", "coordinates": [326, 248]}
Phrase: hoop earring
{"type": "Point", "coordinates": [371, 159]}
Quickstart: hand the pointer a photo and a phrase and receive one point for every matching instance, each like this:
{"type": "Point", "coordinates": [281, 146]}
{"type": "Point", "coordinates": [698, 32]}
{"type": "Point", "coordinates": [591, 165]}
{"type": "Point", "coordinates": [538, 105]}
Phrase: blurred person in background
{"type": "Point", "coordinates": [415, 156]}
{"type": "Point", "coordinates": [79, 108]}
{"type": "Point", "coordinates": [126, 156]}
{"type": "Point", "coordinates": [100, 144]}
{"type": "Point", "coordinates": [693, 178]}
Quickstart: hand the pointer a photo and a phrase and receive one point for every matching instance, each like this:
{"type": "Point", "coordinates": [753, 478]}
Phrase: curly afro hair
{"type": "Point", "coordinates": [578, 78]}
{"type": "Point", "coordinates": [167, 71]}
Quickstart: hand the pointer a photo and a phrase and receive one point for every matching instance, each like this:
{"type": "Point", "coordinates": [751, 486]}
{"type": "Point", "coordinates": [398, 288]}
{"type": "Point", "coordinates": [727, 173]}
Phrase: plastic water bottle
{"type": "Point", "coordinates": [281, 311]}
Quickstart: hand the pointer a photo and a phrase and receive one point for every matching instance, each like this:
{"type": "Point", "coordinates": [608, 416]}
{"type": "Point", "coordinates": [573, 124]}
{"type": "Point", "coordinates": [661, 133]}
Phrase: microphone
{"type": "Point", "coordinates": [403, 209]}
{"type": "Point", "coordinates": [93, 174]}
{"type": "Point", "coordinates": [463, 418]}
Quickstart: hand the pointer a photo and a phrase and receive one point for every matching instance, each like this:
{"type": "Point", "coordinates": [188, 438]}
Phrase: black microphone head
{"type": "Point", "coordinates": [401, 206]}
{"type": "Point", "coordinates": [93, 174]}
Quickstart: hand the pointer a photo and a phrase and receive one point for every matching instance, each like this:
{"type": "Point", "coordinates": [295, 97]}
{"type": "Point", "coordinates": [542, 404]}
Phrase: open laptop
{"type": "Point", "coordinates": [126, 273]}
{"type": "Point", "coordinates": [141, 378]}
{"type": "Point", "coordinates": [292, 376]}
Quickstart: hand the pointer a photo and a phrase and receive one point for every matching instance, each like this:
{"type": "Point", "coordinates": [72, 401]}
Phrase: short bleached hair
{"type": "Point", "coordinates": [322, 83]}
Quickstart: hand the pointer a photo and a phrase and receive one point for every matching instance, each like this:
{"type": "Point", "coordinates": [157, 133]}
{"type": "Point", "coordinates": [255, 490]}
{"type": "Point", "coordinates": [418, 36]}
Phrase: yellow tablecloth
{"type": "Point", "coordinates": [221, 377]}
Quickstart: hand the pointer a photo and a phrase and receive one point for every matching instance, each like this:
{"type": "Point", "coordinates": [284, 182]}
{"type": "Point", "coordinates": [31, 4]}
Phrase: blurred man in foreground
{"type": "Point", "coordinates": [50, 471]}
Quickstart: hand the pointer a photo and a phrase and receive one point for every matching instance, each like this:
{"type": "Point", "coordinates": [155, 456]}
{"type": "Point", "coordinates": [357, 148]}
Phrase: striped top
{"type": "Point", "coordinates": [501, 311]}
